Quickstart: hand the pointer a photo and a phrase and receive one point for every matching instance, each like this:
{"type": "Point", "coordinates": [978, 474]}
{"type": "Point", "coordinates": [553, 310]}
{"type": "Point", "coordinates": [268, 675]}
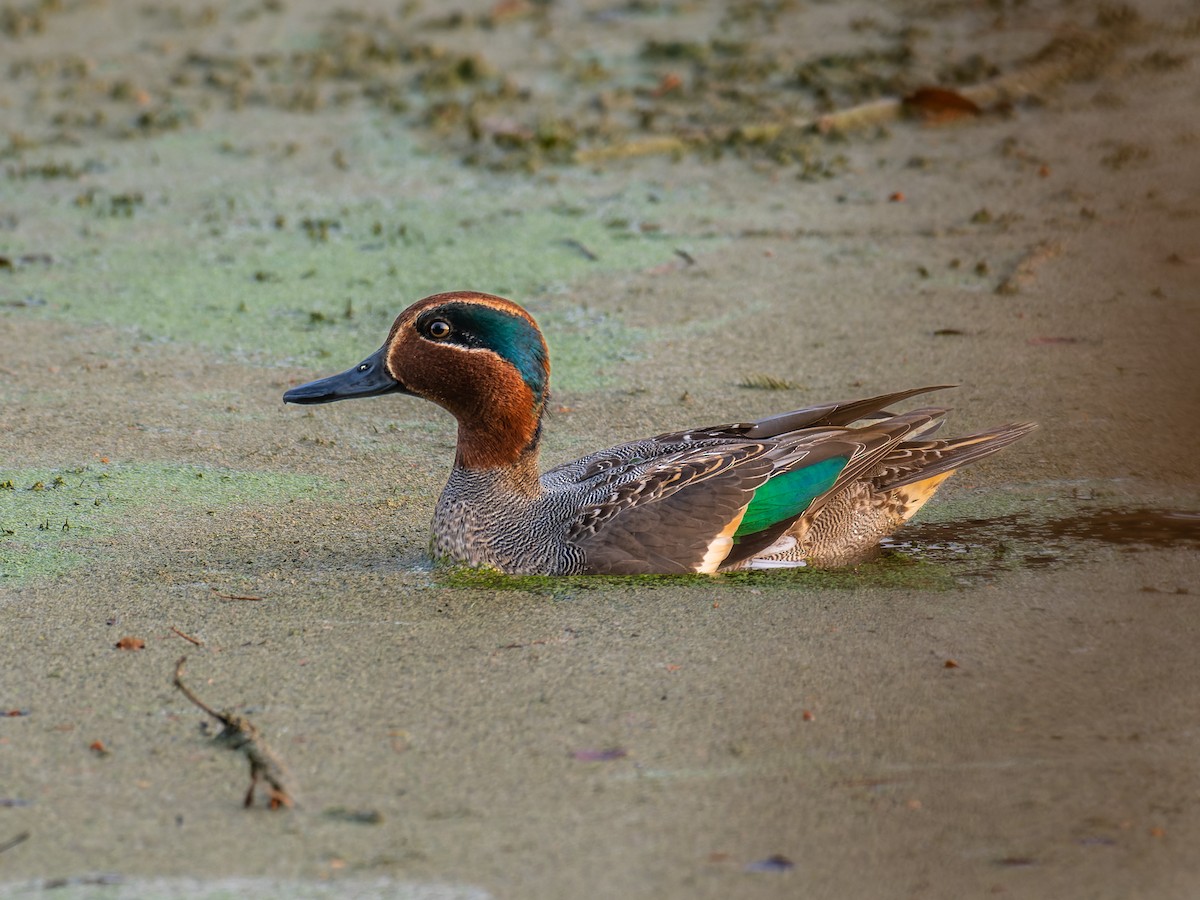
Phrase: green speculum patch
{"type": "Point", "coordinates": [50, 518]}
{"type": "Point", "coordinates": [786, 496]}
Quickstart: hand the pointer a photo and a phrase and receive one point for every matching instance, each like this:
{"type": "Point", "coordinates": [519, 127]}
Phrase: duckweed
{"type": "Point", "coordinates": [241, 278]}
{"type": "Point", "coordinates": [889, 570]}
{"type": "Point", "coordinates": [50, 519]}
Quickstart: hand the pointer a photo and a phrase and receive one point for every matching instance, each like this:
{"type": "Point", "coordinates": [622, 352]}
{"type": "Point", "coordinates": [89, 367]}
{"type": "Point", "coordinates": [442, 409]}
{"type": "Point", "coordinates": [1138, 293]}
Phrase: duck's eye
{"type": "Point", "coordinates": [438, 329]}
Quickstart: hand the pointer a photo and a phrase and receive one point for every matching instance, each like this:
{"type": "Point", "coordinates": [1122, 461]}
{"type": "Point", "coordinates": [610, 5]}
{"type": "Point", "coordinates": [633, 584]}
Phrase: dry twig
{"type": "Point", "coordinates": [14, 841]}
{"type": "Point", "coordinates": [241, 734]}
{"type": "Point", "coordinates": [188, 637]}
{"type": "Point", "coordinates": [234, 596]}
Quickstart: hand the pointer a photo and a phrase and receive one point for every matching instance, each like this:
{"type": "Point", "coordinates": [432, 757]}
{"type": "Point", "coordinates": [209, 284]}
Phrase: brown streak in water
{"type": "Point", "coordinates": [1034, 543]}
{"type": "Point", "coordinates": [1150, 527]}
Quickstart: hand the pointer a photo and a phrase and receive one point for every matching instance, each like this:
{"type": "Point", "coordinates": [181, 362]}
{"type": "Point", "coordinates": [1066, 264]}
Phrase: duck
{"type": "Point", "coordinates": [817, 486]}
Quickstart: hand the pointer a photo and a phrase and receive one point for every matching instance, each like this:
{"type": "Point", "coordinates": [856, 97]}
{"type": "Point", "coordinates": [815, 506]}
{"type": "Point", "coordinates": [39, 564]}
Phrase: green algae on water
{"type": "Point", "coordinates": [888, 570]}
{"type": "Point", "coordinates": [50, 519]}
{"type": "Point", "coordinates": [296, 276]}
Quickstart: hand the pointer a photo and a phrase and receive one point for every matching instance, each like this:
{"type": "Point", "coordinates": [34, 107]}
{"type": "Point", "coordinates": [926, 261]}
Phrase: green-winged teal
{"type": "Point", "coordinates": [803, 487]}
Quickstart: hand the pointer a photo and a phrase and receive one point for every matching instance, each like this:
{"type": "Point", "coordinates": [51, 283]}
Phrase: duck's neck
{"type": "Point", "coordinates": [505, 441]}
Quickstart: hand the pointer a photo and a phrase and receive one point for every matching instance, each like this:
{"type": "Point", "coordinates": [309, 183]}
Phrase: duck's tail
{"type": "Point", "coordinates": [917, 462]}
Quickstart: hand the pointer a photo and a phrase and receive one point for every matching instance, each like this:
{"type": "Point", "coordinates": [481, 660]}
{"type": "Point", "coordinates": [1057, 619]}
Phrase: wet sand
{"type": "Point", "coordinates": [1006, 707]}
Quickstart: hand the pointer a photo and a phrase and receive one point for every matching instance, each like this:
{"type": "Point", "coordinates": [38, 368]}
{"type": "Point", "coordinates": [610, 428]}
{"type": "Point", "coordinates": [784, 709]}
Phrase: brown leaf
{"type": "Point", "coordinates": [670, 82]}
{"type": "Point", "coordinates": [936, 106]}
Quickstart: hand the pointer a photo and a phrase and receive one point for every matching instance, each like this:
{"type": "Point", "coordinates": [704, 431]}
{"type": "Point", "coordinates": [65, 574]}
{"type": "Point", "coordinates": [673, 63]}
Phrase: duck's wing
{"type": "Point", "coordinates": [709, 498]}
{"type": "Point", "coordinates": [813, 466]}
{"type": "Point", "coordinates": [834, 414]}
{"type": "Point", "coordinates": [882, 490]}
{"type": "Point", "coordinates": [693, 501]}
{"type": "Point", "coordinates": [708, 504]}
{"type": "Point", "coordinates": [676, 513]}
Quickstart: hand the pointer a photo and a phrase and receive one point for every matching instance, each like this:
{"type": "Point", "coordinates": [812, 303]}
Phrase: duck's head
{"type": "Point", "coordinates": [480, 357]}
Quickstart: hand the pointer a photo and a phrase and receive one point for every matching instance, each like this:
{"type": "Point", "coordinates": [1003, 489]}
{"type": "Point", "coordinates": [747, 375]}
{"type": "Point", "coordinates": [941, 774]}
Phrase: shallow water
{"type": "Point", "coordinates": [1004, 705]}
{"type": "Point", "coordinates": [984, 548]}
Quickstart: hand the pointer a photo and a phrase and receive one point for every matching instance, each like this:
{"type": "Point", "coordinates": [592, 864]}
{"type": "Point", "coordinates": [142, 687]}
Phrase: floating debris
{"type": "Point", "coordinates": [936, 106]}
{"type": "Point", "coordinates": [605, 755]}
{"type": "Point", "coordinates": [14, 841]}
{"type": "Point", "coordinates": [761, 382]}
{"type": "Point", "coordinates": [241, 734]}
{"type": "Point", "coordinates": [355, 816]}
{"type": "Point", "coordinates": [1026, 269]}
{"type": "Point", "coordinates": [775, 863]}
